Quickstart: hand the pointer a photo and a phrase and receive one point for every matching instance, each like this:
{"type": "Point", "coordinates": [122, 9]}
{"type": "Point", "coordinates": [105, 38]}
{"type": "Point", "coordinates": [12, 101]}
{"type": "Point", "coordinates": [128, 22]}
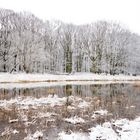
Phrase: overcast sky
{"type": "Point", "coordinates": [81, 11]}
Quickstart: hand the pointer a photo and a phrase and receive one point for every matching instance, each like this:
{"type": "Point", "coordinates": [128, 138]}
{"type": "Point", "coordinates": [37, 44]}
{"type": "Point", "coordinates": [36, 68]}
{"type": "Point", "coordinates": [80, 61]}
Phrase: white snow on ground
{"type": "Point", "coordinates": [7, 131]}
{"type": "Point", "coordinates": [46, 115]}
{"type": "Point", "coordinates": [83, 104]}
{"type": "Point", "coordinates": [75, 120]}
{"type": "Point", "coordinates": [72, 136]}
{"type": "Point", "coordinates": [123, 130]}
{"type": "Point", "coordinates": [15, 131]}
{"type": "Point", "coordinates": [22, 77]}
{"type": "Point", "coordinates": [22, 80]}
{"type": "Point", "coordinates": [36, 136]}
{"type": "Point", "coordinates": [130, 130]}
{"type": "Point", "coordinates": [51, 100]}
{"type": "Point", "coordinates": [103, 132]}
{"type": "Point", "coordinates": [14, 120]}
{"type": "Point", "coordinates": [99, 113]}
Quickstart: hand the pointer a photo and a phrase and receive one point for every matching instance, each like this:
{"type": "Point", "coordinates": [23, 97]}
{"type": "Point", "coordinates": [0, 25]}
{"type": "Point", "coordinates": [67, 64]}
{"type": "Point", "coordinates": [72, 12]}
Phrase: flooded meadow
{"type": "Point", "coordinates": [56, 112]}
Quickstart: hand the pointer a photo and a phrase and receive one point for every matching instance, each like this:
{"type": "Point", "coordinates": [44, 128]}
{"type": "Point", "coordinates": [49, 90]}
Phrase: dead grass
{"type": "Point", "coordinates": [30, 119]}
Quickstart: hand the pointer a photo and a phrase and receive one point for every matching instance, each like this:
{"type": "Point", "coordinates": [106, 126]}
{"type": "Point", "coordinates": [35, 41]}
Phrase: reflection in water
{"type": "Point", "coordinates": [113, 97]}
{"type": "Point", "coordinates": [120, 100]}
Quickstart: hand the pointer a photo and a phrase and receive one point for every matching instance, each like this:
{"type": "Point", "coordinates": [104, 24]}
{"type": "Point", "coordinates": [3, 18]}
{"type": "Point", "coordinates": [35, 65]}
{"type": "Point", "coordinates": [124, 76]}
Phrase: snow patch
{"type": "Point", "coordinates": [36, 136]}
{"type": "Point", "coordinates": [83, 104]}
{"type": "Point", "coordinates": [46, 115]}
{"type": "Point", "coordinates": [22, 77]}
{"type": "Point", "coordinates": [125, 130]}
{"type": "Point", "coordinates": [13, 121]}
{"type": "Point", "coordinates": [8, 131]}
{"type": "Point", "coordinates": [15, 131]}
{"type": "Point", "coordinates": [72, 136]}
{"type": "Point", "coordinates": [24, 103]}
{"type": "Point", "coordinates": [75, 120]}
{"type": "Point", "coordinates": [103, 133]}
{"type": "Point", "coordinates": [99, 113]}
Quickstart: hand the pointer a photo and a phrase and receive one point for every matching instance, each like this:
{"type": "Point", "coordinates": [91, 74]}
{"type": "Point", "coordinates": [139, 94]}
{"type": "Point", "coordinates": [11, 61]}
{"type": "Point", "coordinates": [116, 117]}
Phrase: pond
{"type": "Point", "coordinates": [23, 111]}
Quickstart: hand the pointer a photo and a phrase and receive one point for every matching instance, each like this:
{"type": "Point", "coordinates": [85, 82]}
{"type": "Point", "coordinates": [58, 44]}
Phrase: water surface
{"type": "Point", "coordinates": [120, 100]}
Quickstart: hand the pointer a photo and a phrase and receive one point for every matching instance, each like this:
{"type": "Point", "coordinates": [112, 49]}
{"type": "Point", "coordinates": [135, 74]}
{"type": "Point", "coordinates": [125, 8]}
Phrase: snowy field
{"type": "Point", "coordinates": [10, 78]}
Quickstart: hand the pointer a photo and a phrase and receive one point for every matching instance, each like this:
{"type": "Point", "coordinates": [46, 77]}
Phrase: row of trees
{"type": "Point", "coordinates": [27, 44]}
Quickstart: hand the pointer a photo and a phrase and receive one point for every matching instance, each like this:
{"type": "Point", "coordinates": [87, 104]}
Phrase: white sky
{"type": "Point", "coordinates": [81, 11]}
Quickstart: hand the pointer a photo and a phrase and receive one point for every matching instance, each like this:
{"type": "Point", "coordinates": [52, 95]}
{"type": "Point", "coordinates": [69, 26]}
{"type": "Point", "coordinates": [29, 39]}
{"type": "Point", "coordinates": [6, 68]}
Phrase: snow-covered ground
{"type": "Point", "coordinates": [121, 129]}
{"type": "Point", "coordinates": [10, 81]}
{"type": "Point", "coordinates": [34, 102]}
{"type": "Point", "coordinates": [21, 77]}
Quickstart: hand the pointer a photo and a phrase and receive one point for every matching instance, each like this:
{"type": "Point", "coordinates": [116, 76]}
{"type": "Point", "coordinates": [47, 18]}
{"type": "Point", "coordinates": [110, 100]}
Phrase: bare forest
{"type": "Point", "coordinates": [31, 45]}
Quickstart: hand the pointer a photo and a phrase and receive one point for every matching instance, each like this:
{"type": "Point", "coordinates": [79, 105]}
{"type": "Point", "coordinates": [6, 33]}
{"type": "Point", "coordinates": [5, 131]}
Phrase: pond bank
{"type": "Point", "coordinates": [31, 78]}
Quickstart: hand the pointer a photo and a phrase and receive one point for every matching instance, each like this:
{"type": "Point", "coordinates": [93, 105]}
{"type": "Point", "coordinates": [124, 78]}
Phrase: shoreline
{"type": "Point", "coordinates": [77, 77]}
{"type": "Point", "coordinates": [10, 81]}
